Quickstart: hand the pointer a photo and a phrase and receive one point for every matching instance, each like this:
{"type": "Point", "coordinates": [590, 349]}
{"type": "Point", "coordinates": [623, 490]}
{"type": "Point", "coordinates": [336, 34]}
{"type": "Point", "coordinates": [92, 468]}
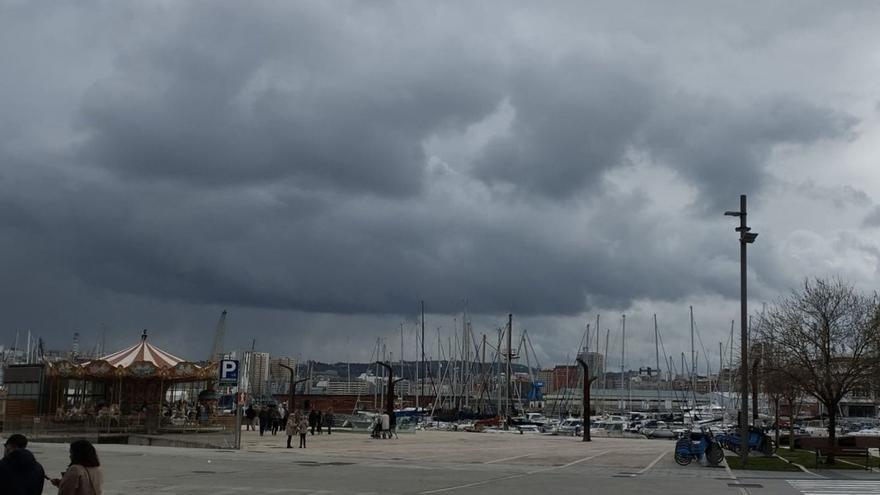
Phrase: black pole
{"type": "Point", "coordinates": [586, 399]}
{"type": "Point", "coordinates": [744, 334]}
{"type": "Point", "coordinates": [745, 238]}
{"type": "Point", "coordinates": [389, 402]}
{"type": "Point", "coordinates": [293, 384]}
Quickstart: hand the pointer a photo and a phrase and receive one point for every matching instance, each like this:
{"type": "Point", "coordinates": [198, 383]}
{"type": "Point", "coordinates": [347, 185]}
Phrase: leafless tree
{"type": "Point", "coordinates": [794, 398]}
{"type": "Point", "coordinates": [774, 384]}
{"type": "Point", "coordinates": [827, 334]}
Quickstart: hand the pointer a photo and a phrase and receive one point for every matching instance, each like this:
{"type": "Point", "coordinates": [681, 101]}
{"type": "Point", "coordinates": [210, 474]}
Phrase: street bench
{"type": "Point", "coordinates": [846, 447]}
{"type": "Point", "coordinates": [861, 452]}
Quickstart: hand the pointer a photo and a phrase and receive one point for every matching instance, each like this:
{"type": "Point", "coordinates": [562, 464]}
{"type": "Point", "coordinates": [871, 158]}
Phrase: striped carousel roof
{"type": "Point", "coordinates": [142, 351]}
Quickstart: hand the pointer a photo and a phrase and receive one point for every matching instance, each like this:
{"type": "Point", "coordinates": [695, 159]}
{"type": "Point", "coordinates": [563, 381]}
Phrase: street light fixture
{"type": "Point", "coordinates": [746, 237]}
{"type": "Point", "coordinates": [389, 402]}
{"type": "Point", "coordinates": [585, 404]}
{"type": "Point", "coordinates": [293, 384]}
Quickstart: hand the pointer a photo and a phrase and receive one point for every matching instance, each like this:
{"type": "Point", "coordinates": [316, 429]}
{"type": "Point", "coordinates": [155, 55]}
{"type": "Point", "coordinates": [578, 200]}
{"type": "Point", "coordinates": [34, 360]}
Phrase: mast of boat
{"type": "Point", "coordinates": [721, 372]}
{"type": "Point", "coordinates": [400, 361]}
{"type": "Point", "coordinates": [622, 359]}
{"type": "Point", "coordinates": [604, 376]}
{"type": "Point", "coordinates": [597, 337]}
{"type": "Point", "coordinates": [482, 364]}
{"type": "Point", "coordinates": [466, 354]}
{"type": "Point", "coordinates": [730, 360]}
{"type": "Point", "coordinates": [509, 362]}
{"type": "Point", "coordinates": [421, 357]}
{"type": "Point", "coordinates": [657, 356]}
{"type": "Point", "coordinates": [451, 367]}
{"type": "Point", "coordinates": [693, 359]}
{"type": "Point", "coordinates": [497, 372]}
{"type": "Point", "coordinates": [384, 359]}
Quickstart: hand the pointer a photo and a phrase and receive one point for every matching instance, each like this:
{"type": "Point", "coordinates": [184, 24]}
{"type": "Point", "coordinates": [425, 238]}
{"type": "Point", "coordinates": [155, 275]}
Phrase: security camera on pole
{"type": "Point", "coordinates": [745, 238]}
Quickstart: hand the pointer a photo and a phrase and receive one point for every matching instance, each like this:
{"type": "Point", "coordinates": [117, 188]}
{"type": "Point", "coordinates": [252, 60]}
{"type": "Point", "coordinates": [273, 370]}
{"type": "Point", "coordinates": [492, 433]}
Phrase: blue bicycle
{"type": "Point", "coordinates": [693, 445]}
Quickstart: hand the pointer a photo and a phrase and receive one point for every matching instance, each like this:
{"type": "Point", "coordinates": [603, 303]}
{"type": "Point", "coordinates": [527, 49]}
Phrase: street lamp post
{"type": "Point", "coordinates": [389, 402]}
{"type": "Point", "coordinates": [586, 398]}
{"type": "Point", "coordinates": [745, 238]}
{"type": "Point", "coordinates": [293, 384]}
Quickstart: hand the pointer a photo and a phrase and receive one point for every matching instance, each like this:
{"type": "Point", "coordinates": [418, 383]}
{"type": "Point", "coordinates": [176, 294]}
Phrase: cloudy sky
{"type": "Point", "coordinates": [318, 168]}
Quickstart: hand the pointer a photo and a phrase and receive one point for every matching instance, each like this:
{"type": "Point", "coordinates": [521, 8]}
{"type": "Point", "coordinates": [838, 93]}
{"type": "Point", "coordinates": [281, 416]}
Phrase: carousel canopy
{"type": "Point", "coordinates": [142, 360]}
{"type": "Point", "coordinates": [142, 351]}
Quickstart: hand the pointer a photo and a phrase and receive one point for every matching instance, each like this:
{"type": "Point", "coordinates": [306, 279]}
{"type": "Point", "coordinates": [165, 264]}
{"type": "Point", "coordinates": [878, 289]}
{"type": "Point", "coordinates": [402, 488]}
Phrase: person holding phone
{"type": "Point", "coordinates": [83, 475]}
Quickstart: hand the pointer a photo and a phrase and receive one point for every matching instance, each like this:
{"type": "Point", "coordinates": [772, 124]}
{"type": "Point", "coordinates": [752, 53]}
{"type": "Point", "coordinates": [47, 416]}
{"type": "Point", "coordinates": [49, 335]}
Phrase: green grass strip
{"type": "Point", "coordinates": [807, 459]}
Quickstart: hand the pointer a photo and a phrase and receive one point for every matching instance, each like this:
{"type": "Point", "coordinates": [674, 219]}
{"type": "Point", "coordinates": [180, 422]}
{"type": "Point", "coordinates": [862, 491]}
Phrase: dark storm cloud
{"type": "Point", "coordinates": [723, 146]}
{"type": "Point", "coordinates": [273, 159]}
{"type": "Point", "coordinates": [274, 98]}
{"type": "Point", "coordinates": [574, 119]}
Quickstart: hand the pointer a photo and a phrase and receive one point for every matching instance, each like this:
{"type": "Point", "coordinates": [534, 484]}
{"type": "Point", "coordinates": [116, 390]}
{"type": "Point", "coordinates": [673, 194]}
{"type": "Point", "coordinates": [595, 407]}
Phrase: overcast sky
{"type": "Point", "coordinates": [318, 168]}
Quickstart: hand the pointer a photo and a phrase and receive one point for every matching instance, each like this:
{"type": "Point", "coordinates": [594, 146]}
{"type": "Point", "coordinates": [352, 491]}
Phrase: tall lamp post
{"type": "Point", "coordinates": [389, 401]}
{"type": "Point", "coordinates": [293, 384]}
{"type": "Point", "coordinates": [586, 398]}
{"type": "Point", "coordinates": [745, 238]}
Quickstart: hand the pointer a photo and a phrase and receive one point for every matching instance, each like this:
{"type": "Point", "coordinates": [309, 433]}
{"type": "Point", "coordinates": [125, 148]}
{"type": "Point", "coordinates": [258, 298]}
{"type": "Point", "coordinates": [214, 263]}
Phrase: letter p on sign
{"type": "Point", "coordinates": [228, 372]}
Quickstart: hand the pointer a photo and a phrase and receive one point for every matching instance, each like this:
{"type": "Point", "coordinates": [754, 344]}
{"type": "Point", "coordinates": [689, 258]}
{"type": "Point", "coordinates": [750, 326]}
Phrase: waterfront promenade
{"type": "Point", "coordinates": [426, 463]}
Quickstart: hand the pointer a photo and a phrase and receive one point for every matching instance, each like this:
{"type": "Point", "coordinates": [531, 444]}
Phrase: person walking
{"type": "Point", "coordinates": [83, 475]}
{"type": "Point", "coordinates": [291, 427]}
{"type": "Point", "coordinates": [328, 419]}
{"type": "Point", "coordinates": [313, 416]}
{"type": "Point", "coordinates": [319, 420]}
{"type": "Point", "coordinates": [264, 419]}
{"type": "Point", "coordinates": [302, 430]}
{"type": "Point", "coordinates": [386, 425]}
{"type": "Point", "coordinates": [276, 420]}
{"type": "Point", "coordinates": [250, 414]}
{"type": "Point", "coordinates": [25, 472]}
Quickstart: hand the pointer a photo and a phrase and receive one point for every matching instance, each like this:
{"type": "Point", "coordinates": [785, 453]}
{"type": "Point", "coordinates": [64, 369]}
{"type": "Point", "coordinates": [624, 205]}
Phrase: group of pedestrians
{"type": "Point", "coordinates": [299, 423]}
{"type": "Point", "coordinates": [265, 418]}
{"type": "Point", "coordinates": [21, 474]}
{"type": "Point", "coordinates": [319, 420]}
{"type": "Point", "coordinates": [383, 426]}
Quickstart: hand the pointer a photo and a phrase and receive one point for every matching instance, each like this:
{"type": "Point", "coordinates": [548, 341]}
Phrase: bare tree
{"type": "Point", "coordinates": [794, 398]}
{"type": "Point", "coordinates": [774, 384]}
{"type": "Point", "coordinates": [829, 335]}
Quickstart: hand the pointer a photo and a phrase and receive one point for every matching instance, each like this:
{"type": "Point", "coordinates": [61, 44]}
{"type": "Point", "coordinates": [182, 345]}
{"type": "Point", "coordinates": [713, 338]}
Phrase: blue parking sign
{"type": "Point", "coordinates": [228, 372]}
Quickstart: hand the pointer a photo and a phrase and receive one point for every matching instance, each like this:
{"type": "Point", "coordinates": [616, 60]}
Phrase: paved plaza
{"type": "Point", "coordinates": [429, 462]}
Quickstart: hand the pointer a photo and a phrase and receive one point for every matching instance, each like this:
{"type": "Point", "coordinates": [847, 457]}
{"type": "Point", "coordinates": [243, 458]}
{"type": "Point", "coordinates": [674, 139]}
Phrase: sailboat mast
{"type": "Point", "coordinates": [730, 358]}
{"type": "Point", "coordinates": [509, 359]}
{"type": "Point", "coordinates": [622, 359]}
{"type": "Point", "coordinates": [721, 372]}
{"type": "Point", "coordinates": [604, 376]}
{"type": "Point", "coordinates": [693, 356]}
{"type": "Point", "coordinates": [422, 360]}
{"type": "Point", "coordinates": [657, 356]}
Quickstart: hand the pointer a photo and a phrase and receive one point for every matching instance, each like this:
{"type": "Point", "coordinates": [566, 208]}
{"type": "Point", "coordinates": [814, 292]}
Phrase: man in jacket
{"type": "Point", "coordinates": [250, 414]}
{"type": "Point", "coordinates": [26, 472]}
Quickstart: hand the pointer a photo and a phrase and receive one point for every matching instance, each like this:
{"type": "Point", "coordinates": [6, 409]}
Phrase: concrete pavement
{"type": "Point", "coordinates": [424, 463]}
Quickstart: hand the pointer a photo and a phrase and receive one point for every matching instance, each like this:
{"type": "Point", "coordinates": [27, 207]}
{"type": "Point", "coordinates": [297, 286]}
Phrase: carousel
{"type": "Point", "coordinates": [141, 385]}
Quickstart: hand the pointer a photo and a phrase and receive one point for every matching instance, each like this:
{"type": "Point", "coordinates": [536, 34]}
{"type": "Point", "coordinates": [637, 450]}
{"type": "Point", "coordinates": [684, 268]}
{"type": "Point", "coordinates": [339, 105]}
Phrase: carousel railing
{"type": "Point", "coordinates": [47, 425]}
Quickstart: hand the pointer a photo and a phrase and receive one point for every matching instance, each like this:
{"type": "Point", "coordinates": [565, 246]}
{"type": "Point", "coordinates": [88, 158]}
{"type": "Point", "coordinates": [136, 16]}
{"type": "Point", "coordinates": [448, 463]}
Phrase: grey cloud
{"type": "Point", "coordinates": [574, 120]}
{"type": "Point", "coordinates": [270, 160]}
{"type": "Point", "coordinates": [205, 106]}
{"type": "Point", "coordinates": [872, 219]}
{"type": "Point", "coordinates": [839, 196]}
{"type": "Point", "coordinates": [722, 146]}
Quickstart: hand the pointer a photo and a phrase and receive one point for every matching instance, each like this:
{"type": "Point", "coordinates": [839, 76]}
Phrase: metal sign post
{"type": "Point", "coordinates": [229, 377]}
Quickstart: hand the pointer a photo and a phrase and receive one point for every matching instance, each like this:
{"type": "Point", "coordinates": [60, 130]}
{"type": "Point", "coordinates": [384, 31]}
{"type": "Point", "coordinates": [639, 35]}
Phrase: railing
{"type": "Point", "coordinates": [50, 425]}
